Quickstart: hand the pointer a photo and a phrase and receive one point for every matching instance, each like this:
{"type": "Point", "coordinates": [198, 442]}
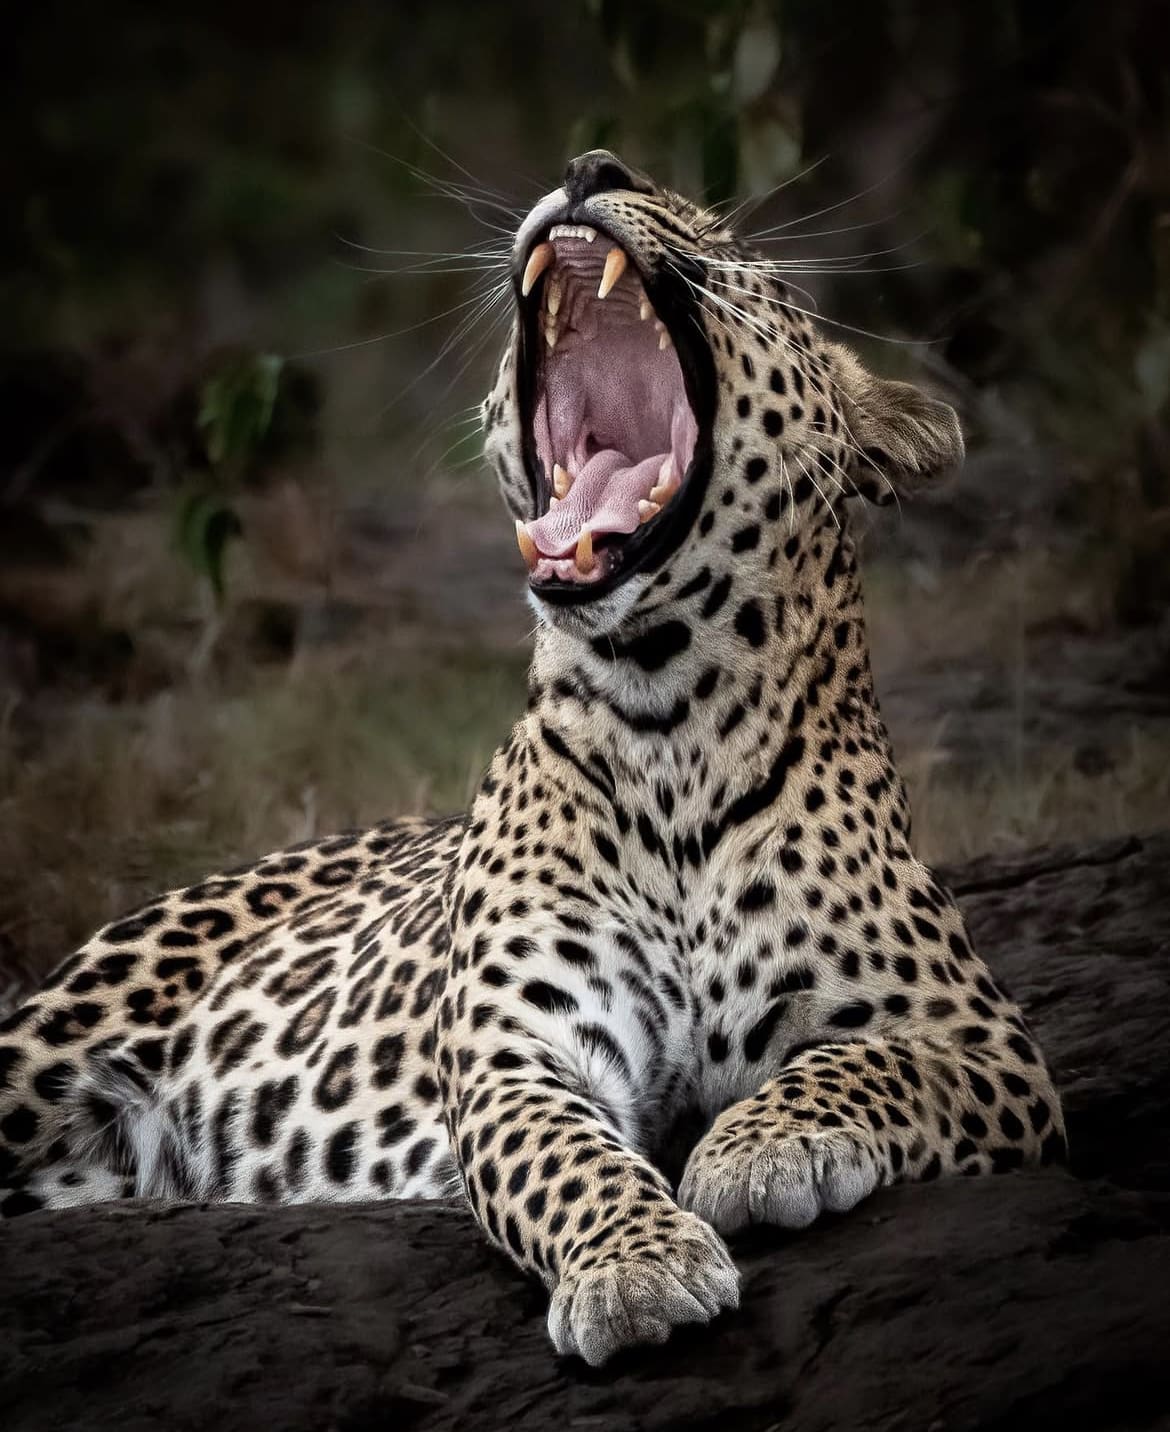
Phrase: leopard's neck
{"type": "Point", "coordinates": [720, 688]}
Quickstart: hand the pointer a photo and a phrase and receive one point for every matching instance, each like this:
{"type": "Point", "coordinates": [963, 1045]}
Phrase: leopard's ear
{"type": "Point", "coordinates": [902, 437]}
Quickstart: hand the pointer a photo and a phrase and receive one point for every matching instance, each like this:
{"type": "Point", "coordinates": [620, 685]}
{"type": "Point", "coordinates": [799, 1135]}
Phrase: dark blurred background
{"type": "Point", "coordinates": [254, 582]}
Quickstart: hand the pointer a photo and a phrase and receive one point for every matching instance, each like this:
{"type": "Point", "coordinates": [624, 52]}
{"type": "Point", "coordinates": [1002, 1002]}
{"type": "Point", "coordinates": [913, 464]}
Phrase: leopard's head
{"type": "Point", "coordinates": [666, 411]}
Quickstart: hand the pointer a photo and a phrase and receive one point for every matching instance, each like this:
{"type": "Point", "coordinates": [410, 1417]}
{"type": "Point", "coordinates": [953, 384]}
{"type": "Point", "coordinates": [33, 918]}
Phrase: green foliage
{"type": "Point", "coordinates": [205, 524]}
{"type": "Point", "coordinates": [701, 102]}
{"type": "Point", "coordinates": [236, 407]}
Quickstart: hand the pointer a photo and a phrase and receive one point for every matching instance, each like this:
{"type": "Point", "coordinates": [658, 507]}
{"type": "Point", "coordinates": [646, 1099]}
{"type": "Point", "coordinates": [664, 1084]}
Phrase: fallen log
{"type": "Point", "coordinates": [1031, 1301]}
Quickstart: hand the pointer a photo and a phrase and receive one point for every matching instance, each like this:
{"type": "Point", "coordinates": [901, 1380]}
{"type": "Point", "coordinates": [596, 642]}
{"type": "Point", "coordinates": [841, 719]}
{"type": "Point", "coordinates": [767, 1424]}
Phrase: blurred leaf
{"type": "Point", "coordinates": [236, 407]}
{"type": "Point", "coordinates": [1152, 369]}
{"type": "Point", "coordinates": [593, 131]}
{"type": "Point", "coordinates": [768, 152]}
{"type": "Point", "coordinates": [720, 152]}
{"type": "Point", "coordinates": [756, 59]}
{"type": "Point", "coordinates": [204, 526]}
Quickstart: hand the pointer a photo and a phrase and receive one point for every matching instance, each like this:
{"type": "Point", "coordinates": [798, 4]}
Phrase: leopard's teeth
{"type": "Point", "coordinates": [538, 260]}
{"type": "Point", "coordinates": [554, 295]}
{"type": "Point", "coordinates": [648, 510]}
{"type": "Point", "coordinates": [615, 266]}
{"type": "Point", "coordinates": [644, 309]}
{"type": "Point", "coordinates": [562, 480]}
{"type": "Point", "coordinates": [573, 231]}
{"type": "Point", "coordinates": [667, 484]}
{"type": "Point", "coordinates": [585, 559]}
{"type": "Point", "coordinates": [527, 546]}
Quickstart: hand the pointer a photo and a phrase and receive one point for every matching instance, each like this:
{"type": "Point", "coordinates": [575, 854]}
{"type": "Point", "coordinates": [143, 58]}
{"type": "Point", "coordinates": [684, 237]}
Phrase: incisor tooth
{"type": "Point", "coordinates": [562, 480]}
{"type": "Point", "coordinates": [647, 510]}
{"type": "Point", "coordinates": [527, 545]}
{"type": "Point", "coordinates": [538, 260]}
{"type": "Point", "coordinates": [585, 558]}
{"type": "Point", "coordinates": [615, 266]}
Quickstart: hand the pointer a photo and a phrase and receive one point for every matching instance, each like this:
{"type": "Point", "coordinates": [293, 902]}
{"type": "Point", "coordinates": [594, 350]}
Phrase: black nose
{"type": "Point", "coordinates": [599, 170]}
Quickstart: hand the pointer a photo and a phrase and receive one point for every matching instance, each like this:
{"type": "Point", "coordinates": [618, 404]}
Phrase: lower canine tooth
{"type": "Point", "coordinates": [538, 260]}
{"type": "Point", "coordinates": [562, 480]}
{"type": "Point", "coordinates": [667, 484]}
{"type": "Point", "coordinates": [527, 545]}
{"type": "Point", "coordinates": [615, 266]}
{"type": "Point", "coordinates": [647, 510]}
{"type": "Point", "coordinates": [585, 558]}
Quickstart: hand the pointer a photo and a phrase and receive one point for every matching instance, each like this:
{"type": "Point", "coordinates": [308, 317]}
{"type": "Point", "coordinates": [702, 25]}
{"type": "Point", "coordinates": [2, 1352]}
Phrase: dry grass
{"type": "Point", "coordinates": [1049, 801]}
{"type": "Point", "coordinates": [107, 803]}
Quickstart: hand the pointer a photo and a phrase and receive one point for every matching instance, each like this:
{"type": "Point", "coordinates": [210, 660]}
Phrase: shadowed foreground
{"type": "Point", "coordinates": [1032, 1301]}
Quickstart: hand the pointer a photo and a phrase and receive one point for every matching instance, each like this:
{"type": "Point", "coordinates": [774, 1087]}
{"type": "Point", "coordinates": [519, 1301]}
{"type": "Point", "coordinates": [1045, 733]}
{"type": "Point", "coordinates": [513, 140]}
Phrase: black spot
{"type": "Point", "coordinates": [335, 1086]}
{"type": "Point", "coordinates": [757, 1038]}
{"type": "Point", "coordinates": [716, 597]}
{"type": "Point", "coordinates": [746, 538]}
{"type": "Point", "coordinates": [20, 1125]}
{"type": "Point", "coordinates": [749, 623]}
{"type": "Point", "coordinates": [551, 998]}
{"type": "Point", "coordinates": [852, 1016]}
{"type": "Point", "coordinates": [340, 1154]}
{"type": "Point", "coordinates": [53, 1083]}
{"type": "Point", "coordinates": [387, 1059]}
{"type": "Point", "coordinates": [773, 422]}
{"type": "Point", "coordinates": [757, 896]}
{"type": "Point", "coordinates": [755, 468]}
{"type": "Point", "coordinates": [651, 650]}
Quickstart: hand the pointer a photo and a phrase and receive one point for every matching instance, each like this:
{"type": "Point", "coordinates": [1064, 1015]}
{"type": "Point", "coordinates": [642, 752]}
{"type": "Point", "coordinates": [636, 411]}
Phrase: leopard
{"type": "Point", "coordinates": [678, 971]}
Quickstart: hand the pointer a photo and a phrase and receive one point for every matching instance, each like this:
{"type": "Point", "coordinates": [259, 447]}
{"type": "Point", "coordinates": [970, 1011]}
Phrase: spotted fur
{"type": "Point", "coordinates": [684, 899]}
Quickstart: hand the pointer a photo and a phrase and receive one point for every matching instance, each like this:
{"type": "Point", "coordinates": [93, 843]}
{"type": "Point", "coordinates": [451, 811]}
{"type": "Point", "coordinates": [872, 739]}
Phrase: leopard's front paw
{"type": "Point", "coordinates": [785, 1180]}
{"type": "Point", "coordinates": [637, 1294]}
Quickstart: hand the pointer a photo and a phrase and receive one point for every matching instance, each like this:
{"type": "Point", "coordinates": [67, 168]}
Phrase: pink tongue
{"type": "Point", "coordinates": [604, 497]}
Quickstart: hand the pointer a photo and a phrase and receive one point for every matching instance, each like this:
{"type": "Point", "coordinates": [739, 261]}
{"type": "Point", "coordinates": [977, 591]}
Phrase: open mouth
{"type": "Point", "coordinates": [611, 432]}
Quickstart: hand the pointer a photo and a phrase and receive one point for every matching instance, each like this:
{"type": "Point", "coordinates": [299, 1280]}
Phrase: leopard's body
{"type": "Point", "coordinates": [685, 897]}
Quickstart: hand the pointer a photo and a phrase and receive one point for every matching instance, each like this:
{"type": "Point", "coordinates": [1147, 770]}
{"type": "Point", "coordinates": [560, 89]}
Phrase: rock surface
{"type": "Point", "coordinates": [1033, 1301]}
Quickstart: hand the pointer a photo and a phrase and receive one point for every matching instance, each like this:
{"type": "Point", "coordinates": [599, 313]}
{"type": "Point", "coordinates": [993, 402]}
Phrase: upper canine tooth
{"type": "Point", "coordinates": [527, 545]}
{"type": "Point", "coordinates": [562, 480]}
{"type": "Point", "coordinates": [648, 509]}
{"type": "Point", "coordinates": [538, 260]}
{"type": "Point", "coordinates": [615, 266]}
{"type": "Point", "coordinates": [585, 558]}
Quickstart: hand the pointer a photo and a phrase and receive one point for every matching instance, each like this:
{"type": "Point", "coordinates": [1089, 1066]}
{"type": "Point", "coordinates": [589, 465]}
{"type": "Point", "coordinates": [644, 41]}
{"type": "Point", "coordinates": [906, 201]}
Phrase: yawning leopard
{"type": "Point", "coordinates": [685, 896]}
